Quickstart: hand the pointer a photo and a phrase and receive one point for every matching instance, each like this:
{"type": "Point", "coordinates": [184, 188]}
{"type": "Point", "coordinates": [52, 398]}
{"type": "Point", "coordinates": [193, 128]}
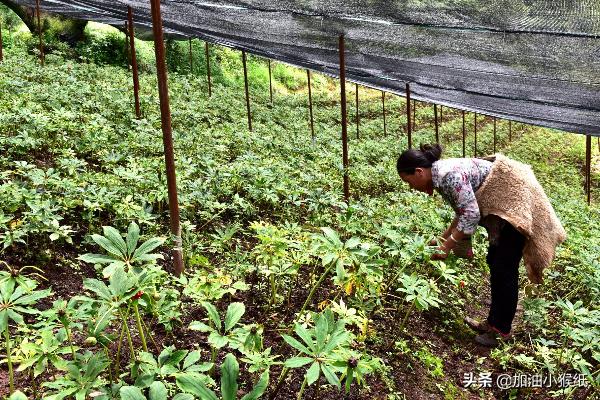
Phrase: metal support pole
{"type": "Point", "coordinates": [134, 66]}
{"type": "Point", "coordinates": [247, 91]}
{"type": "Point", "coordinates": [271, 82]}
{"type": "Point", "coordinates": [588, 167]}
{"type": "Point", "coordinates": [165, 113]}
{"type": "Point", "coordinates": [1, 44]}
{"type": "Point", "coordinates": [191, 57]}
{"type": "Point", "coordinates": [383, 109]}
{"type": "Point", "coordinates": [208, 68]}
{"type": "Point", "coordinates": [408, 125]}
{"type": "Point", "coordinates": [344, 118]}
{"type": "Point", "coordinates": [464, 133]}
{"type": "Point", "coordinates": [435, 116]}
{"type": "Point", "coordinates": [310, 108]}
{"type": "Point", "coordinates": [494, 135]}
{"type": "Point", "coordinates": [357, 115]}
{"type": "Point", "coordinates": [475, 121]}
{"type": "Point", "coordinates": [39, 23]}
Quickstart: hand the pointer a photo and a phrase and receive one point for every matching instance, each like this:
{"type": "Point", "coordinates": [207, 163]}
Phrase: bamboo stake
{"type": "Point", "coordinates": [408, 124]}
{"type": "Point", "coordinates": [383, 109]}
{"type": "Point", "coordinates": [207, 53]}
{"type": "Point", "coordinates": [134, 65]}
{"type": "Point", "coordinates": [435, 116]}
{"type": "Point", "coordinates": [39, 23]}
{"type": "Point", "coordinates": [247, 91]}
{"type": "Point", "coordinates": [165, 112]}
{"type": "Point", "coordinates": [310, 108]}
{"type": "Point", "coordinates": [191, 57]}
{"type": "Point", "coordinates": [357, 115]}
{"type": "Point", "coordinates": [475, 121]}
{"type": "Point", "coordinates": [588, 167]}
{"type": "Point", "coordinates": [271, 82]}
{"type": "Point", "coordinates": [344, 118]}
{"type": "Point", "coordinates": [464, 134]}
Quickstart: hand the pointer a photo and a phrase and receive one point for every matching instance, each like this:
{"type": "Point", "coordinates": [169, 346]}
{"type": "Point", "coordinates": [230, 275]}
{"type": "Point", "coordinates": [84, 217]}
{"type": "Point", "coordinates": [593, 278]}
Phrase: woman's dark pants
{"type": "Point", "coordinates": [503, 259]}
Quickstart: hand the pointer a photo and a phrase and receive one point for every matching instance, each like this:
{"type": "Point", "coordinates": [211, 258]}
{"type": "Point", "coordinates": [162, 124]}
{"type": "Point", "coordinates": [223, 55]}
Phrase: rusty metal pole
{"type": "Point", "coordinates": [464, 134]}
{"type": "Point", "coordinates": [383, 109]}
{"type": "Point", "coordinates": [1, 44]}
{"type": "Point", "coordinates": [134, 66]}
{"type": "Point", "coordinates": [247, 91]}
{"type": "Point", "coordinates": [208, 68]}
{"type": "Point", "coordinates": [39, 23]}
{"type": "Point", "coordinates": [310, 108]}
{"type": "Point", "coordinates": [271, 82]}
{"type": "Point", "coordinates": [475, 122]}
{"type": "Point", "coordinates": [344, 118]}
{"type": "Point", "coordinates": [588, 167]}
{"type": "Point", "coordinates": [437, 132]}
{"type": "Point", "coordinates": [191, 57]}
{"type": "Point", "coordinates": [165, 113]}
{"type": "Point", "coordinates": [494, 135]}
{"type": "Point", "coordinates": [408, 125]}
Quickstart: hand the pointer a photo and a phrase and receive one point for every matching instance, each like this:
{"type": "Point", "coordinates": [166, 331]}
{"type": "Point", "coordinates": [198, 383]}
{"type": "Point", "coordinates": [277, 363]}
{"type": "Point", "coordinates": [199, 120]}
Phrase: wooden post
{"type": "Point", "coordinates": [310, 108]}
{"type": "Point", "coordinates": [165, 113]}
{"type": "Point", "coordinates": [383, 109]}
{"type": "Point", "coordinates": [588, 167]}
{"type": "Point", "coordinates": [357, 115]}
{"type": "Point", "coordinates": [437, 132]}
{"type": "Point", "coordinates": [39, 23]}
{"type": "Point", "coordinates": [134, 66]}
{"type": "Point", "coordinates": [464, 134]}
{"type": "Point", "coordinates": [344, 118]}
{"type": "Point", "coordinates": [441, 113]}
{"type": "Point", "coordinates": [191, 57]}
{"type": "Point", "coordinates": [494, 135]}
{"type": "Point", "coordinates": [475, 121]}
{"type": "Point", "coordinates": [271, 82]}
{"type": "Point", "coordinates": [247, 90]}
{"type": "Point", "coordinates": [208, 68]}
{"type": "Point", "coordinates": [408, 125]}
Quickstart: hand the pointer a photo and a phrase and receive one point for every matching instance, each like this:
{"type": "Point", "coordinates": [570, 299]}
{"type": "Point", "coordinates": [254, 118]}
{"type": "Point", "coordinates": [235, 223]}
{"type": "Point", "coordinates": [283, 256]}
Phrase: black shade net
{"type": "Point", "coordinates": [532, 61]}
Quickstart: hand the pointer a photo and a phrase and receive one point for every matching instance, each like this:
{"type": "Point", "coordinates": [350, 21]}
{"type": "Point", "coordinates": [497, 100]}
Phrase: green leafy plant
{"type": "Point", "coordinates": [123, 253]}
{"type": "Point", "coordinates": [81, 379]}
{"type": "Point", "coordinates": [229, 383]}
{"type": "Point", "coordinates": [15, 301]}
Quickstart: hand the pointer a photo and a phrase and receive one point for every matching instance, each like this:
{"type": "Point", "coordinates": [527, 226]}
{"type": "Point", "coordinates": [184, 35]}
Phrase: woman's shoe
{"type": "Point", "coordinates": [478, 326]}
{"type": "Point", "coordinates": [491, 338]}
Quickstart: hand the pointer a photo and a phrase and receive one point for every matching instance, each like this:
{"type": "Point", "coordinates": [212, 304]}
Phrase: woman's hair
{"type": "Point", "coordinates": [422, 158]}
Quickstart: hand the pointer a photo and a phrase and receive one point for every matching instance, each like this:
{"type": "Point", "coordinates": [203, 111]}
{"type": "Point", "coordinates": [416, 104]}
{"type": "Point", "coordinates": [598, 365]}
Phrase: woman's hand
{"type": "Point", "coordinates": [441, 256]}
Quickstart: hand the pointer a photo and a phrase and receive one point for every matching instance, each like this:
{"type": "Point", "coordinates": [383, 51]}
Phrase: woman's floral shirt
{"type": "Point", "coordinates": [457, 180]}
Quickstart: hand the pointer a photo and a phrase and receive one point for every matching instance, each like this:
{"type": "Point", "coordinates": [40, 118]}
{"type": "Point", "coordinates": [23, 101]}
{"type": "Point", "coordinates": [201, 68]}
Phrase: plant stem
{"type": "Point", "coordinates": [314, 289]}
{"type": "Point", "coordinates": [9, 362]}
{"type": "Point", "coordinates": [118, 359]}
{"type": "Point", "coordinates": [302, 389]}
{"type": "Point", "coordinates": [150, 335]}
{"type": "Point", "coordinates": [405, 320]}
{"type": "Point", "coordinates": [139, 325]}
{"type": "Point", "coordinates": [128, 336]}
{"type": "Point", "coordinates": [70, 338]}
{"type": "Point", "coordinates": [110, 374]}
